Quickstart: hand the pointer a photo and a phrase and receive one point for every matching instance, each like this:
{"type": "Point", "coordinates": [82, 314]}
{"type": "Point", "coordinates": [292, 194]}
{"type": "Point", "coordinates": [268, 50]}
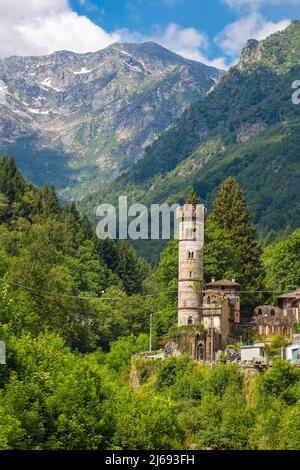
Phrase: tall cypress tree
{"type": "Point", "coordinates": [231, 213]}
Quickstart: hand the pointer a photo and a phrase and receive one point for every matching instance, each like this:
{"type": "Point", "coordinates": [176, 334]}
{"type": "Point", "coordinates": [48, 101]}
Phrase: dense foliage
{"type": "Point", "coordinates": [74, 311]}
{"type": "Point", "coordinates": [52, 260]}
{"type": "Point", "coordinates": [53, 398]}
{"type": "Point", "coordinates": [246, 127]}
{"type": "Point", "coordinates": [231, 214]}
{"type": "Point", "coordinates": [282, 263]}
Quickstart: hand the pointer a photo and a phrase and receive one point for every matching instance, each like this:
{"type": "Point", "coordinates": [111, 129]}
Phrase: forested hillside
{"type": "Point", "coordinates": [247, 127]}
{"type": "Point", "coordinates": [74, 310]}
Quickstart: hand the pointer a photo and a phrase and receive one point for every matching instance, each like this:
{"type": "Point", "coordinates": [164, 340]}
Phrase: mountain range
{"type": "Point", "coordinates": [141, 121]}
{"type": "Point", "coordinates": [246, 127]}
{"type": "Point", "coordinates": [77, 120]}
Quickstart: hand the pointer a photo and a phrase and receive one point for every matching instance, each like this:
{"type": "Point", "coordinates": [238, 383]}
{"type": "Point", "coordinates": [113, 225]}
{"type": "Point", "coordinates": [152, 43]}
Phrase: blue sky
{"type": "Point", "coordinates": [212, 31]}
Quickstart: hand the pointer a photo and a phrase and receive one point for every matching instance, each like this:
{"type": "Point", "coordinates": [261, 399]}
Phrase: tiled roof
{"type": "Point", "coordinates": [223, 282]}
{"type": "Point", "coordinates": [290, 295]}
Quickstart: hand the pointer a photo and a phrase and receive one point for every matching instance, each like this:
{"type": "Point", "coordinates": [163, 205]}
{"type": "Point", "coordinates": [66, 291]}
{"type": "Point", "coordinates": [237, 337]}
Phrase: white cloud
{"type": "Point", "coordinates": [38, 27]}
{"type": "Point", "coordinates": [31, 7]}
{"type": "Point", "coordinates": [188, 42]}
{"type": "Point", "coordinates": [256, 3]}
{"type": "Point", "coordinates": [43, 27]}
{"type": "Point", "coordinates": [49, 34]}
{"type": "Point", "coordinates": [234, 36]}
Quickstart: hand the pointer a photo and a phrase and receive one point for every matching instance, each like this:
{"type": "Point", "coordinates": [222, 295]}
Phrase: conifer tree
{"type": "Point", "coordinates": [231, 214]}
{"type": "Point", "coordinates": [12, 183]}
{"type": "Point", "coordinates": [4, 208]}
{"type": "Point", "coordinates": [47, 201]}
{"type": "Point", "coordinates": [71, 221]}
{"type": "Point", "coordinates": [86, 229]}
{"type": "Point", "coordinates": [130, 268]}
{"type": "Point", "coordinates": [193, 198]}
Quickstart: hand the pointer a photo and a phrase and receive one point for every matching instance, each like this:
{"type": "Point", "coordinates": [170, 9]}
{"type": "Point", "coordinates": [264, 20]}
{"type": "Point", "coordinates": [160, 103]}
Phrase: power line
{"type": "Point", "coordinates": [33, 289]}
{"type": "Point", "coordinates": [58, 294]}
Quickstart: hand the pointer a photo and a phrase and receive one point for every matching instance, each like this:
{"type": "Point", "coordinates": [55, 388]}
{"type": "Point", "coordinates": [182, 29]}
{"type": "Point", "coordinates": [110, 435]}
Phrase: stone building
{"type": "Point", "coordinates": [190, 282]}
{"type": "Point", "coordinates": [207, 319]}
{"type": "Point", "coordinates": [290, 304]}
{"type": "Point", "coordinates": [221, 311]}
{"type": "Point", "coordinates": [269, 320]}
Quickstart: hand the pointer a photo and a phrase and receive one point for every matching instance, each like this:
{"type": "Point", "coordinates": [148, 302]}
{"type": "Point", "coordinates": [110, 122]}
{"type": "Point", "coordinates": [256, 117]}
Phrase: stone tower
{"type": "Point", "coordinates": [190, 220]}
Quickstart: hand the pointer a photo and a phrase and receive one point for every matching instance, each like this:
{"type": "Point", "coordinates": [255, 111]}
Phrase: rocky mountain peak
{"type": "Point", "coordinates": [93, 114]}
{"type": "Point", "coordinates": [280, 50]}
{"type": "Point", "coordinates": [250, 53]}
{"type": "Point", "coordinates": [248, 48]}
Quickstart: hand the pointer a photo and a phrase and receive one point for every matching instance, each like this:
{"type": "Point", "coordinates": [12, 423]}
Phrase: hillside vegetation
{"type": "Point", "coordinates": [74, 311]}
{"type": "Point", "coordinates": [247, 127]}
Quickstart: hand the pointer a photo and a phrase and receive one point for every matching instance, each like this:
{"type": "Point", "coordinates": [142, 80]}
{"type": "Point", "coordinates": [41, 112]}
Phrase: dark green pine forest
{"type": "Point", "coordinates": [75, 310]}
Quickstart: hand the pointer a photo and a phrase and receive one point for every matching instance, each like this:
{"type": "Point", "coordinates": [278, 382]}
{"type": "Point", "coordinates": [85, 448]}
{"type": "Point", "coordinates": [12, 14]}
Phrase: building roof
{"type": "Point", "coordinates": [223, 283]}
{"type": "Point", "coordinates": [259, 344]}
{"type": "Point", "coordinates": [290, 295]}
{"type": "Point", "coordinates": [294, 344]}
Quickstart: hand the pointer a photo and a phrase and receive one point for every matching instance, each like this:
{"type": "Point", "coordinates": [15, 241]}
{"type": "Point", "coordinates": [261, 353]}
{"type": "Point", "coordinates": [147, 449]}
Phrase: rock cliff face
{"type": "Point", "coordinates": [251, 52]}
{"type": "Point", "coordinates": [76, 120]}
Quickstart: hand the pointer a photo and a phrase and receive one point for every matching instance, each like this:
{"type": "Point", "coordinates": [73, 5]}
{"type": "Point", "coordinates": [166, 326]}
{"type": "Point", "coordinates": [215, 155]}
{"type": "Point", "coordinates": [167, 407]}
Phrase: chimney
{"type": "Point", "coordinates": [213, 279]}
{"type": "Point", "coordinates": [233, 280]}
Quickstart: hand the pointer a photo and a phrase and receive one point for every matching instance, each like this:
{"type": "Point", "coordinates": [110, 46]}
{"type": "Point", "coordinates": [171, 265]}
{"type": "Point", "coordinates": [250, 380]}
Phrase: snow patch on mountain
{"type": "Point", "coordinates": [47, 83]}
{"type": "Point", "coordinates": [3, 90]}
{"type": "Point", "coordinates": [82, 71]}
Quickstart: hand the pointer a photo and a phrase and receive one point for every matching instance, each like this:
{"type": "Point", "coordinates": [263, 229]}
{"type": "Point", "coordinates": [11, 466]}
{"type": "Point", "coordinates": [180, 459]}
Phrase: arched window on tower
{"type": "Point", "coordinates": [191, 255]}
{"type": "Point", "coordinates": [190, 321]}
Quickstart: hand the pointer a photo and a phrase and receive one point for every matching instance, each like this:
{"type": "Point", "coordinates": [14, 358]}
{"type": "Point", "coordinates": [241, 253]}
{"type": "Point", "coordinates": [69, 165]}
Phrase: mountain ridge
{"type": "Point", "coordinates": [92, 114]}
{"type": "Point", "coordinates": [246, 127]}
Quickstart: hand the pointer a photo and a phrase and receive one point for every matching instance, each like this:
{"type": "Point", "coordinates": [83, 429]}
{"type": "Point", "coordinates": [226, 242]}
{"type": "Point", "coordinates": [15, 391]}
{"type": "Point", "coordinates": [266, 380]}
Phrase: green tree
{"type": "Point", "coordinates": [290, 429]}
{"type": "Point", "coordinates": [221, 259]}
{"type": "Point", "coordinates": [282, 263]}
{"type": "Point", "coordinates": [145, 422]}
{"type": "Point", "coordinates": [193, 198]}
{"type": "Point", "coordinates": [12, 183]}
{"type": "Point", "coordinates": [11, 432]}
{"type": "Point", "coordinates": [130, 268]}
{"type": "Point", "coordinates": [231, 214]}
{"type": "Point", "coordinates": [4, 208]}
{"type": "Point", "coordinates": [276, 345]}
{"type": "Point", "coordinates": [279, 379]}
{"type": "Point", "coordinates": [46, 201]}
